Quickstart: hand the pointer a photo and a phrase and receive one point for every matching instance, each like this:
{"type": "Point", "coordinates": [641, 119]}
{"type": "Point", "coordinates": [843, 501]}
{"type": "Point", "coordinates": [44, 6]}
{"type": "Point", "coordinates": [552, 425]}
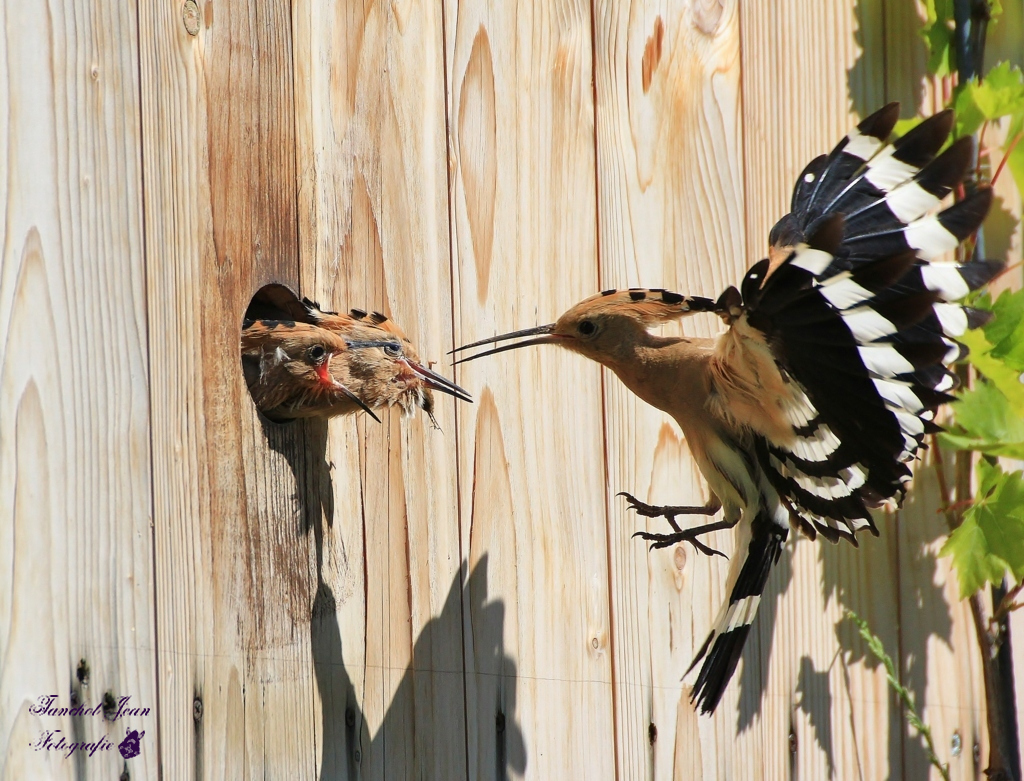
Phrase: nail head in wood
{"type": "Point", "coordinates": [109, 706]}
{"type": "Point", "coordinates": [82, 672]}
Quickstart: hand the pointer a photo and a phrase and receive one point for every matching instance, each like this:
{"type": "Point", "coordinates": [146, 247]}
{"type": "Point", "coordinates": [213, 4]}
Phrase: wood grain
{"type": "Point", "coordinates": [798, 62]}
{"type": "Point", "coordinates": [669, 125]}
{"type": "Point", "coordinates": [234, 581]}
{"type": "Point", "coordinates": [373, 222]}
{"type": "Point", "coordinates": [75, 537]}
{"type": "Point", "coordinates": [354, 600]}
{"type": "Point", "coordinates": [535, 437]}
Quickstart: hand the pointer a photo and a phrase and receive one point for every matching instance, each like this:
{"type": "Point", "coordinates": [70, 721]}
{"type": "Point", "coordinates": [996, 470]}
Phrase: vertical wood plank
{"type": "Point", "coordinates": [894, 582]}
{"type": "Point", "coordinates": [806, 66]}
{"type": "Point", "coordinates": [75, 538]}
{"type": "Point", "coordinates": [234, 582]}
{"type": "Point", "coordinates": [671, 196]}
{"type": "Point", "coordinates": [531, 452]}
{"type": "Point", "coordinates": [373, 221]}
{"type": "Point", "coordinates": [938, 645]}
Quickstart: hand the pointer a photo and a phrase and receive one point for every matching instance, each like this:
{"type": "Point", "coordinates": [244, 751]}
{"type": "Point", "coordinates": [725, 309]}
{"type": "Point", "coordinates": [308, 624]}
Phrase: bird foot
{"type": "Point", "coordinates": [668, 512]}
{"type": "Point", "coordinates": [690, 536]}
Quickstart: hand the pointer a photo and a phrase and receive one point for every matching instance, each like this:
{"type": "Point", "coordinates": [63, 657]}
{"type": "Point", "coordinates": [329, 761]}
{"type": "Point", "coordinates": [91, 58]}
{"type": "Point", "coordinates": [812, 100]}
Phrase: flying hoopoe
{"type": "Point", "coordinates": [330, 364]}
{"type": "Point", "coordinates": [807, 409]}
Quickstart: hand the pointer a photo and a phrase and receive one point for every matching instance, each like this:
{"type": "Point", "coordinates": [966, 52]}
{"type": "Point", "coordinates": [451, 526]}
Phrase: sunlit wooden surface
{"type": "Point", "coordinates": [351, 600]}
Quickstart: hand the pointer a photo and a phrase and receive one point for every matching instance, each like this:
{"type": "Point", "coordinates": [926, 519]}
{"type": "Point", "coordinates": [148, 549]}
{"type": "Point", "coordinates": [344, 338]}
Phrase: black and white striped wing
{"type": "Point", "coordinates": [861, 318]}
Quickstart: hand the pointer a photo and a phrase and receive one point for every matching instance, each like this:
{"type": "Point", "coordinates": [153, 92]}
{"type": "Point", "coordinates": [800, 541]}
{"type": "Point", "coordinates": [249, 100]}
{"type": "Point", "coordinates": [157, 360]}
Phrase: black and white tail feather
{"type": "Point", "coordinates": [861, 321]}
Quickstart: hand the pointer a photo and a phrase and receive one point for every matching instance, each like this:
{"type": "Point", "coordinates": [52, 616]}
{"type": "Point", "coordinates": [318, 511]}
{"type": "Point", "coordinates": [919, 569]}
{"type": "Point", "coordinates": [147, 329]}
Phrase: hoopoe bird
{"type": "Point", "coordinates": [807, 409]}
{"type": "Point", "coordinates": [330, 364]}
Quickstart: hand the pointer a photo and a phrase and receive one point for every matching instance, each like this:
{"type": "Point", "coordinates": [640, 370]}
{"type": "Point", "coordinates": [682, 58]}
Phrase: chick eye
{"type": "Point", "coordinates": [586, 327]}
{"type": "Point", "coordinates": [317, 353]}
{"type": "Point", "coordinates": [392, 350]}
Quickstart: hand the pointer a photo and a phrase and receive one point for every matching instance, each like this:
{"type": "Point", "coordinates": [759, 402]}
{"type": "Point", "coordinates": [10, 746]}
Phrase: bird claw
{"type": "Point", "coordinates": [641, 508]}
{"type": "Point", "coordinates": [668, 512]}
{"type": "Point", "coordinates": [667, 540]}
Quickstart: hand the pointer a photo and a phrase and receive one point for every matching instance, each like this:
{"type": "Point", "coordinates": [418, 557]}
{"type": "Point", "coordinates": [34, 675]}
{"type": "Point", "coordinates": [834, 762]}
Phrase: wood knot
{"type": "Point", "coordinates": [190, 17]}
{"type": "Point", "coordinates": [652, 53]}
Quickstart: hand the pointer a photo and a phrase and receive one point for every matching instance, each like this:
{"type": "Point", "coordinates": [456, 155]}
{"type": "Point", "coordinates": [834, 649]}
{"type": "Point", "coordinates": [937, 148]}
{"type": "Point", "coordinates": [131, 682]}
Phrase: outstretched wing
{"type": "Point", "coordinates": [859, 320]}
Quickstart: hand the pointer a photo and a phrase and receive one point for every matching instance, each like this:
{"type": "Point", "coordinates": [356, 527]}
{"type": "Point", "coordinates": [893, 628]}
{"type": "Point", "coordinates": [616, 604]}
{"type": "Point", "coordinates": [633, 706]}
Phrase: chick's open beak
{"type": "Point", "coordinates": [545, 335]}
{"type": "Point", "coordinates": [437, 382]}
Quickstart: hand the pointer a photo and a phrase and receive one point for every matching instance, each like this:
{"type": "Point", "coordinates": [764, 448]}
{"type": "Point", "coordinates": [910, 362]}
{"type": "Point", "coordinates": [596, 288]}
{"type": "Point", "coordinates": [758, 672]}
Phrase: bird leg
{"type": "Point", "coordinates": [669, 513]}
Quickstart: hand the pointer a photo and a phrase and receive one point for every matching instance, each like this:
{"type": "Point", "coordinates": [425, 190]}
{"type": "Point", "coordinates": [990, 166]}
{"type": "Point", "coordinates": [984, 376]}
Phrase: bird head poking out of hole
{"type": "Point", "coordinates": [302, 361]}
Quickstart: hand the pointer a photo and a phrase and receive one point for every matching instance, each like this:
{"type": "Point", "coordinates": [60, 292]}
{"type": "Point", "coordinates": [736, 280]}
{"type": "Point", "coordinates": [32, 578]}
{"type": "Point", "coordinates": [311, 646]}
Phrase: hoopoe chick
{"type": "Point", "coordinates": [296, 370]}
{"type": "Point", "coordinates": [405, 381]}
{"type": "Point", "coordinates": [334, 364]}
{"type": "Point", "coordinates": [807, 409]}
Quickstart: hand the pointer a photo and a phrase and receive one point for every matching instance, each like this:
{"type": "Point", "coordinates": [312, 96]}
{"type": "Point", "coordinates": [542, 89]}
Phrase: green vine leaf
{"type": "Point", "coordinates": [1015, 143]}
{"type": "Point", "coordinates": [990, 541]}
{"type": "Point", "coordinates": [997, 370]}
{"type": "Point", "coordinates": [985, 422]}
{"type": "Point", "coordinates": [938, 35]}
{"type": "Point", "coordinates": [1005, 331]}
{"type": "Point", "coordinates": [1000, 94]}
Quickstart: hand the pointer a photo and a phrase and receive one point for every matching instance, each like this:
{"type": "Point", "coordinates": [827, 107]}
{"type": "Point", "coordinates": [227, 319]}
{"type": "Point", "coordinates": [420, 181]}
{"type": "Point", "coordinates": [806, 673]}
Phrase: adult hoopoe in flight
{"type": "Point", "coordinates": [326, 364]}
{"type": "Point", "coordinates": [807, 409]}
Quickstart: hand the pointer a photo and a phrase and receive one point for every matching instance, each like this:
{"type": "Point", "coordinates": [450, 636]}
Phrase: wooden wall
{"type": "Point", "coordinates": [353, 600]}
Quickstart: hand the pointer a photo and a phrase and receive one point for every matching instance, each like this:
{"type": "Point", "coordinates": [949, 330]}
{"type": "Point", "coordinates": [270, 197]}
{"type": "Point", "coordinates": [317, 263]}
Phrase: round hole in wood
{"type": "Point", "coordinates": [275, 302]}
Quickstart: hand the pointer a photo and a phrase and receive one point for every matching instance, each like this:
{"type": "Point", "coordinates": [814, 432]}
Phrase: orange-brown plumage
{"type": "Point", "coordinates": [333, 364]}
{"type": "Point", "coordinates": [807, 409]}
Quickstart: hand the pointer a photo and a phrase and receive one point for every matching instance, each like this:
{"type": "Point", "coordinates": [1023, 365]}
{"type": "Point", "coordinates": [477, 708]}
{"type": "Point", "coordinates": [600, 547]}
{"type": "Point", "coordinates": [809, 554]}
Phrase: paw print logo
{"type": "Point", "coordinates": [129, 747]}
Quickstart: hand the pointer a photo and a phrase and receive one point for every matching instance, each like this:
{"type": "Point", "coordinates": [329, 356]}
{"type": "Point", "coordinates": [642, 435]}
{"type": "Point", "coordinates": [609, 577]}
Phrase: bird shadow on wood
{"type": "Point", "coordinates": [893, 59]}
{"type": "Point", "coordinates": [349, 750]}
{"type": "Point", "coordinates": [303, 443]}
{"type": "Point", "coordinates": [757, 656]}
{"type": "Point", "coordinates": [1000, 228]}
{"type": "Point", "coordinates": [904, 612]}
{"type": "Point", "coordinates": [816, 701]}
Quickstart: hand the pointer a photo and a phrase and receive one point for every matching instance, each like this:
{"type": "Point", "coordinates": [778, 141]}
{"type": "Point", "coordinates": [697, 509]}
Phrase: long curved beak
{"type": "Point", "coordinates": [357, 400]}
{"type": "Point", "coordinates": [324, 373]}
{"type": "Point", "coordinates": [437, 382]}
{"type": "Point", "coordinates": [544, 333]}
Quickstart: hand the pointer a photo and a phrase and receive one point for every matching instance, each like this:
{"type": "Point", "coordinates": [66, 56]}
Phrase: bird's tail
{"type": "Point", "coordinates": [721, 651]}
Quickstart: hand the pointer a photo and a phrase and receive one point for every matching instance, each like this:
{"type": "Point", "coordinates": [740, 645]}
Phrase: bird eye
{"type": "Point", "coordinates": [392, 349]}
{"type": "Point", "coordinates": [586, 327]}
{"type": "Point", "coordinates": [317, 353]}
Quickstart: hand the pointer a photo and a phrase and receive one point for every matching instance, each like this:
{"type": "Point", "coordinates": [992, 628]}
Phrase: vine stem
{"type": "Point", "coordinates": [998, 760]}
{"type": "Point", "coordinates": [1009, 151]}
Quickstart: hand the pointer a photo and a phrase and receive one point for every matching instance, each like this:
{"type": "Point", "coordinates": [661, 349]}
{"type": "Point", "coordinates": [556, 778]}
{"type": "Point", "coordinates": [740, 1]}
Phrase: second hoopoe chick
{"type": "Point", "coordinates": [807, 409]}
{"type": "Point", "coordinates": [406, 381]}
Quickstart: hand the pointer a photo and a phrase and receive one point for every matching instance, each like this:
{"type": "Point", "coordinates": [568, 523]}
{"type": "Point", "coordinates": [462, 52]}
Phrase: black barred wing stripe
{"type": "Point", "coordinates": [859, 318]}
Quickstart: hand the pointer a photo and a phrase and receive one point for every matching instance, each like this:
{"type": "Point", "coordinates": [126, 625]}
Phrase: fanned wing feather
{"type": "Point", "coordinates": [861, 325]}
